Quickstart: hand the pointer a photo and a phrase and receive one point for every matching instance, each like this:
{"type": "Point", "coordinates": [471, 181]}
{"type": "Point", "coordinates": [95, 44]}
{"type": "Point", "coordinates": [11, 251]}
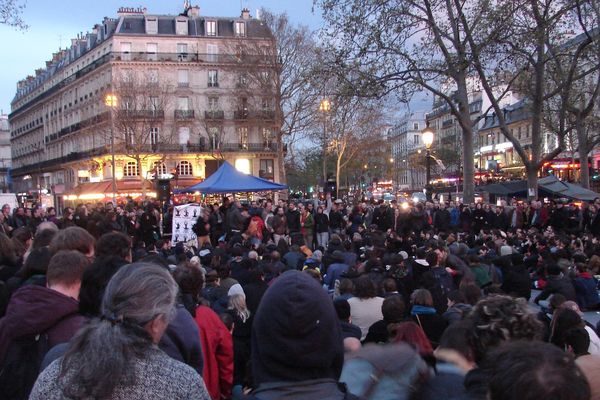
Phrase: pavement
{"type": "Point", "coordinates": [591, 316]}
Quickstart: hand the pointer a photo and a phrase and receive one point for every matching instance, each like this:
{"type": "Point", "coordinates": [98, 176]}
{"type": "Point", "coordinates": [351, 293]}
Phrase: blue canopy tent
{"type": "Point", "coordinates": [229, 180]}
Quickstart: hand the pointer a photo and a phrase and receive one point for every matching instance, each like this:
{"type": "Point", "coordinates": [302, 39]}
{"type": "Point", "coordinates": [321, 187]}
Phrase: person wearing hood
{"type": "Point", "coordinates": [297, 350]}
{"type": "Point", "coordinates": [50, 311]}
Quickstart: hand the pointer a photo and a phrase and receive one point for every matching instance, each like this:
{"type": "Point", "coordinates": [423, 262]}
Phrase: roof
{"type": "Point", "coordinates": [136, 25]}
{"type": "Point", "coordinates": [549, 185]}
{"type": "Point", "coordinates": [229, 180]}
{"type": "Point", "coordinates": [516, 112]}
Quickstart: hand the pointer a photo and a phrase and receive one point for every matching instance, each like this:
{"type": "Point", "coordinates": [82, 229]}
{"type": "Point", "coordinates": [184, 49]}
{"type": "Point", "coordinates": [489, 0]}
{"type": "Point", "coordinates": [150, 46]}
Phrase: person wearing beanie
{"type": "Point", "coordinates": [297, 350]}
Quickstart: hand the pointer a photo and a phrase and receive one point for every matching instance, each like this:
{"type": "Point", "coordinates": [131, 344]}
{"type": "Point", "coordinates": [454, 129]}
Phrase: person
{"type": "Point", "coordinates": [586, 288]}
{"type": "Point", "coordinates": [307, 224]}
{"type": "Point", "coordinates": [217, 343]}
{"type": "Point", "coordinates": [322, 227]}
{"type": "Point", "coordinates": [365, 306]}
{"type": "Point", "coordinates": [349, 330]}
{"type": "Point", "coordinates": [557, 283]}
{"type": "Point", "coordinates": [457, 307]}
{"type": "Point", "coordinates": [533, 370]}
{"type": "Point", "coordinates": [42, 317]}
{"type": "Point", "coordinates": [73, 238]}
{"type": "Point", "coordinates": [393, 313]}
{"type": "Point", "coordinates": [336, 269]}
{"type": "Point", "coordinates": [242, 328]}
{"type": "Point", "coordinates": [297, 350]}
{"type": "Point", "coordinates": [138, 303]}
{"type": "Point", "coordinates": [425, 315]}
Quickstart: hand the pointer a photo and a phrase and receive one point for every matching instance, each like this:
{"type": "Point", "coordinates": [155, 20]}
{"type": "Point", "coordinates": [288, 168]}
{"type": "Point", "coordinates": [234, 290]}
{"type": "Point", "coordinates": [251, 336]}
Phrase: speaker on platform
{"type": "Point", "coordinates": [163, 189]}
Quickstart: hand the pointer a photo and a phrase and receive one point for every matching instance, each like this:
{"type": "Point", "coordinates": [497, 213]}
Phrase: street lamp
{"type": "Point", "coordinates": [427, 137]}
{"type": "Point", "coordinates": [111, 101]}
{"type": "Point", "coordinates": [325, 107]}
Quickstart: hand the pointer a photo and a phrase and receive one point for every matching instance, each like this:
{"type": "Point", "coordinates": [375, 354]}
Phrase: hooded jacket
{"type": "Point", "coordinates": [36, 309]}
{"type": "Point", "coordinates": [296, 341]}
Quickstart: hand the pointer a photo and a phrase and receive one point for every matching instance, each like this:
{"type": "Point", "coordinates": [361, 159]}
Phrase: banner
{"type": "Point", "coordinates": [184, 218]}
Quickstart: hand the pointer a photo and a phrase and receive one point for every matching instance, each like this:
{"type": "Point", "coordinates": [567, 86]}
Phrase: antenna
{"type": "Point", "coordinates": [60, 42]}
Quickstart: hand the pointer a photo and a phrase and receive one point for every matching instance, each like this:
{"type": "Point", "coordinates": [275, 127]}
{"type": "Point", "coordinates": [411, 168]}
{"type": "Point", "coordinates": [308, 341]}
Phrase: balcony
{"type": "Point", "coordinates": [214, 114]}
{"type": "Point", "coordinates": [265, 114]}
{"type": "Point", "coordinates": [232, 147]}
{"type": "Point", "coordinates": [241, 114]}
{"type": "Point", "coordinates": [141, 114]}
{"type": "Point", "coordinates": [184, 114]}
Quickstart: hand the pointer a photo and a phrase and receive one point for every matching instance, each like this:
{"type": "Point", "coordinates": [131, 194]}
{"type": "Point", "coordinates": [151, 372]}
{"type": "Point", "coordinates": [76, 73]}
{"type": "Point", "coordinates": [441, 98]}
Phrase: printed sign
{"type": "Point", "coordinates": [184, 218]}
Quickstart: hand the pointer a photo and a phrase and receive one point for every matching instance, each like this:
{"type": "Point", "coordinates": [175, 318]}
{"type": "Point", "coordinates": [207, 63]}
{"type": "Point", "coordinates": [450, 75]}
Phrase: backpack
{"type": "Point", "coordinates": [21, 366]}
{"type": "Point", "coordinates": [388, 372]}
{"type": "Point", "coordinates": [444, 280]}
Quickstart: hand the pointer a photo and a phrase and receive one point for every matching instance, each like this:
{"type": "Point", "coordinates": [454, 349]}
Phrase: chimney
{"type": "Point", "coordinates": [245, 13]}
{"type": "Point", "coordinates": [39, 71]}
{"type": "Point", "coordinates": [193, 11]}
{"type": "Point", "coordinates": [258, 13]}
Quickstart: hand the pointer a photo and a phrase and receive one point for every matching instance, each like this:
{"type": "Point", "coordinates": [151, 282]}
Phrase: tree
{"type": "Point", "coordinates": [405, 47]}
{"type": "Point", "coordinates": [11, 14]}
{"type": "Point", "coordinates": [356, 124]}
{"type": "Point", "coordinates": [530, 48]}
{"type": "Point", "coordinates": [138, 125]}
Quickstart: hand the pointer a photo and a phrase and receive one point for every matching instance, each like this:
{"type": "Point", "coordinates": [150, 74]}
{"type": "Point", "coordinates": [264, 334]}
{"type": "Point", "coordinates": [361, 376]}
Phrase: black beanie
{"type": "Point", "coordinates": [296, 335]}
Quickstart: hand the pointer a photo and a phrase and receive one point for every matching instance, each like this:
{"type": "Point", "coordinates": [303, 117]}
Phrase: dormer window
{"type": "Point", "coordinates": [181, 26]}
{"type": "Point", "coordinates": [211, 28]}
{"type": "Point", "coordinates": [240, 28]}
{"type": "Point", "coordinates": [152, 26]}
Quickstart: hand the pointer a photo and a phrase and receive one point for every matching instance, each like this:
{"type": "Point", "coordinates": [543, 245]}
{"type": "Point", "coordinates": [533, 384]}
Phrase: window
{"type": "Point", "coordinates": [211, 28]}
{"type": "Point", "coordinates": [415, 126]}
{"type": "Point", "coordinates": [519, 130]}
{"type": "Point", "coordinates": [154, 103]}
{"type": "Point", "coordinates": [181, 26]}
{"type": "Point", "coordinates": [151, 26]}
{"type": "Point", "coordinates": [151, 50]}
{"type": "Point", "coordinates": [416, 140]}
{"type": "Point", "coordinates": [266, 104]}
{"type": "Point", "coordinates": [129, 137]}
{"type": "Point", "coordinates": [213, 103]}
{"type": "Point", "coordinates": [126, 51]}
{"type": "Point", "coordinates": [185, 168]}
{"type": "Point", "coordinates": [154, 135]}
{"type": "Point", "coordinates": [184, 135]}
{"type": "Point", "coordinates": [183, 103]}
{"type": "Point", "coordinates": [182, 78]}
{"type": "Point", "coordinates": [212, 51]}
{"type": "Point", "coordinates": [266, 170]}
{"type": "Point", "coordinates": [214, 136]}
{"type": "Point", "coordinates": [240, 28]}
{"type": "Point", "coordinates": [243, 136]}
{"type": "Point", "coordinates": [153, 77]}
{"type": "Point", "coordinates": [182, 51]}
{"type": "Point", "coordinates": [213, 78]}
{"type": "Point", "coordinates": [130, 169]}
{"type": "Point", "coordinates": [160, 168]}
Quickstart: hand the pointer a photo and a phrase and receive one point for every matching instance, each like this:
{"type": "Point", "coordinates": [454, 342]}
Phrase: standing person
{"type": "Point", "coordinates": [137, 305]}
{"type": "Point", "coordinates": [279, 225]}
{"type": "Point", "coordinates": [336, 218]}
{"type": "Point", "coordinates": [322, 227]}
{"type": "Point", "coordinates": [478, 218]}
{"type": "Point", "coordinates": [307, 223]}
{"type": "Point", "coordinates": [8, 218]}
{"type": "Point", "coordinates": [202, 228]}
{"type": "Point", "coordinates": [20, 220]}
{"type": "Point", "coordinates": [293, 219]}
{"type": "Point", "coordinates": [442, 219]}
{"type": "Point", "coordinates": [149, 226]}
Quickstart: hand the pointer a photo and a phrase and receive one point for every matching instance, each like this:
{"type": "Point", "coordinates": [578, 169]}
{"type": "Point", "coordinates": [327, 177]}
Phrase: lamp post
{"type": "Point", "coordinates": [324, 107]}
{"type": "Point", "coordinates": [111, 101]}
{"type": "Point", "coordinates": [427, 137]}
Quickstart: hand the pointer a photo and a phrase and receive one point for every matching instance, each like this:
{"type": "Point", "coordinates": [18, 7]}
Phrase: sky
{"type": "Point", "coordinates": [52, 24]}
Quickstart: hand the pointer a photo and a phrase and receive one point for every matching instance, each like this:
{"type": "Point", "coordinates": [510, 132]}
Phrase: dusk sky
{"type": "Point", "coordinates": [54, 23]}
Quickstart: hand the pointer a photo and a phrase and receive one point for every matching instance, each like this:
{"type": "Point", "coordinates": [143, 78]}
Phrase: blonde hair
{"type": "Point", "coordinates": [237, 302]}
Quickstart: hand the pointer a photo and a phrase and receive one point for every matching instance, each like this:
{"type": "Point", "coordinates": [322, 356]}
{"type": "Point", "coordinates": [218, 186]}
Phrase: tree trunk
{"type": "Point", "coordinates": [583, 148]}
{"type": "Point", "coordinates": [280, 158]}
{"type": "Point", "coordinates": [337, 177]}
{"type": "Point", "coordinates": [142, 179]}
{"type": "Point", "coordinates": [467, 140]}
{"type": "Point", "coordinates": [532, 181]}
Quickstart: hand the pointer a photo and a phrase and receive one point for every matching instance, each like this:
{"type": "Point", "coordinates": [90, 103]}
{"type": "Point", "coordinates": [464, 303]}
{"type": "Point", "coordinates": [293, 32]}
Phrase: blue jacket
{"type": "Point", "coordinates": [334, 272]}
{"type": "Point", "coordinates": [586, 291]}
{"type": "Point", "coordinates": [181, 340]}
{"type": "Point", "coordinates": [454, 216]}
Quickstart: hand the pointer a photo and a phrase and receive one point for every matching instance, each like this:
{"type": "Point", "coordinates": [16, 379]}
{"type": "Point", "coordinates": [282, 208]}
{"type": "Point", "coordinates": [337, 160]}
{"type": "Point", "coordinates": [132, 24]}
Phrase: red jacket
{"type": "Point", "coordinates": [217, 350]}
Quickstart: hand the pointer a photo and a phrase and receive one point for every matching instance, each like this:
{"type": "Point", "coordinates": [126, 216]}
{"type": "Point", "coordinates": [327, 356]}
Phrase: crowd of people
{"type": "Point", "coordinates": [301, 299]}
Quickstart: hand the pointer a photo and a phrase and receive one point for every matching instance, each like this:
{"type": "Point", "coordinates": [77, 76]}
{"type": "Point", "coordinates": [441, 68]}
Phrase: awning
{"type": "Point", "coordinates": [549, 185]}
